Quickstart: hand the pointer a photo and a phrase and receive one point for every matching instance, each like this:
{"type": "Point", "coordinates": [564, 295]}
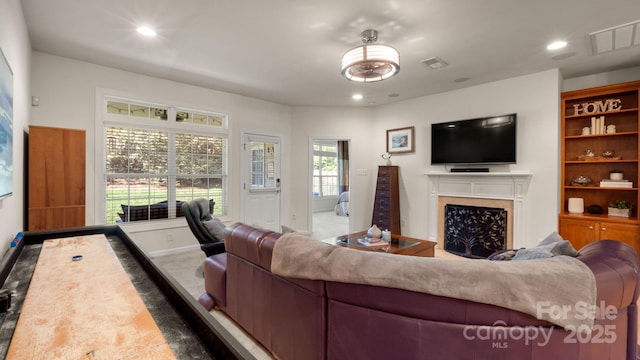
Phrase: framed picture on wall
{"type": "Point", "coordinates": [6, 128]}
{"type": "Point", "coordinates": [401, 140]}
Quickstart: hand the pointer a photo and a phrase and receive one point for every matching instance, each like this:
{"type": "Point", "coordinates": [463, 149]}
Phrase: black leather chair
{"type": "Point", "coordinates": [195, 212]}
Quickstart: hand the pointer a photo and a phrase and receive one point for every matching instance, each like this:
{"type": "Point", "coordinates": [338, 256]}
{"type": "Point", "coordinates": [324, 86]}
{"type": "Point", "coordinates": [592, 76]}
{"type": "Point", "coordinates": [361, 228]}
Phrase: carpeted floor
{"type": "Point", "coordinates": [327, 224]}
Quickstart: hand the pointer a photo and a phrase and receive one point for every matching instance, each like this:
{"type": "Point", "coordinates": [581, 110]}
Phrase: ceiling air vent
{"type": "Point", "coordinates": [435, 63]}
{"type": "Point", "coordinates": [615, 38]}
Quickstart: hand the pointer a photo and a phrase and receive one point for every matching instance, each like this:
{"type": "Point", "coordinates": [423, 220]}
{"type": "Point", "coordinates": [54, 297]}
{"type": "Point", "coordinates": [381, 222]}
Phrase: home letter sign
{"type": "Point", "coordinates": [598, 107]}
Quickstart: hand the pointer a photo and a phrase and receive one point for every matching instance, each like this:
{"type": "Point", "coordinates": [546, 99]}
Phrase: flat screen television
{"type": "Point", "coordinates": [487, 140]}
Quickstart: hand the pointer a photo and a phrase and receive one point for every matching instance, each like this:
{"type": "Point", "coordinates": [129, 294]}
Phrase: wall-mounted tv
{"type": "Point", "coordinates": [487, 140]}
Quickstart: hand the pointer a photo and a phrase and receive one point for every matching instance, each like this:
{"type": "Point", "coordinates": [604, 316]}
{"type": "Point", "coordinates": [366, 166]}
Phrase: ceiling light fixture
{"type": "Point", "coordinates": [146, 31]}
{"type": "Point", "coordinates": [370, 62]}
{"type": "Point", "coordinates": [556, 45]}
{"type": "Point", "coordinates": [357, 97]}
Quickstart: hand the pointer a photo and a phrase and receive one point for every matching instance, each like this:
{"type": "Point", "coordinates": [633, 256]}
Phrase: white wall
{"type": "Point", "coordinates": [339, 123]}
{"type": "Point", "coordinates": [535, 98]}
{"type": "Point", "coordinates": [67, 90]}
{"type": "Point", "coordinates": [601, 79]}
{"type": "Point", "coordinates": [14, 42]}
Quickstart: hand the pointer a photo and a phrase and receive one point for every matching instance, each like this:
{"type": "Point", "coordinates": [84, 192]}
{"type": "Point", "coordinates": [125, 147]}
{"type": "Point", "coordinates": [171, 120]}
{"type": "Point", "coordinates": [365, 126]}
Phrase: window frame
{"type": "Point", "coordinates": [172, 127]}
{"type": "Point", "coordinates": [321, 154]}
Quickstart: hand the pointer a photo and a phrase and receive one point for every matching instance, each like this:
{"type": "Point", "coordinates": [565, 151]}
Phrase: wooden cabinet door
{"type": "Point", "coordinates": [56, 178]}
{"type": "Point", "coordinates": [629, 234]}
{"type": "Point", "coordinates": [579, 232]}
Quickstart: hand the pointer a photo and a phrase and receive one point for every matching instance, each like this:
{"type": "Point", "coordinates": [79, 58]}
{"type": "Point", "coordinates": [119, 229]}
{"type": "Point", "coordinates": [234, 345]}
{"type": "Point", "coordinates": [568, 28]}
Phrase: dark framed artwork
{"type": "Point", "coordinates": [401, 140]}
{"type": "Point", "coordinates": [6, 128]}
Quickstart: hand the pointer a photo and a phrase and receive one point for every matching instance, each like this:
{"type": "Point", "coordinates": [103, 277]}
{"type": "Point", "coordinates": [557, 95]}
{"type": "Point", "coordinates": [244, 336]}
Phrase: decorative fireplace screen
{"type": "Point", "coordinates": [473, 231]}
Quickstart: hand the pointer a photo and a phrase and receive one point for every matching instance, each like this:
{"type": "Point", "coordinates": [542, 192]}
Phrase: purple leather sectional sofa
{"type": "Point", "coordinates": [310, 319]}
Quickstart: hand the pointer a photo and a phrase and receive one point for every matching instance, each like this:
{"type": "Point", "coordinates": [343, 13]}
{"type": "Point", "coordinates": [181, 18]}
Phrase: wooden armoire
{"type": "Point", "coordinates": [57, 181]}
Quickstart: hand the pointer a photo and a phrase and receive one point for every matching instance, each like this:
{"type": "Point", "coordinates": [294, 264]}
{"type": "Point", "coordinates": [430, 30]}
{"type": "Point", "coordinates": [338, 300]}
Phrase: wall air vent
{"type": "Point", "coordinates": [615, 38]}
{"type": "Point", "coordinates": [435, 63]}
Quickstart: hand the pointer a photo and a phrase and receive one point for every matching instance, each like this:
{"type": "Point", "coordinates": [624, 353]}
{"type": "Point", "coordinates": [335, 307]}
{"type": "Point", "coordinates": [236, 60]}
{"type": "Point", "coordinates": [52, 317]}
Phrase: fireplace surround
{"type": "Point", "coordinates": [506, 190]}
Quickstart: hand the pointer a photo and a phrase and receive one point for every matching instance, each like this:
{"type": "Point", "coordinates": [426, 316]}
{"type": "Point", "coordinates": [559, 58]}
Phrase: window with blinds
{"type": "Point", "coordinates": [157, 157]}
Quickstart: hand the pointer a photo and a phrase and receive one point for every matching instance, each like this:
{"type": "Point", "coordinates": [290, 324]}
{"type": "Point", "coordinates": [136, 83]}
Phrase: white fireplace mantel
{"type": "Point", "coordinates": [490, 185]}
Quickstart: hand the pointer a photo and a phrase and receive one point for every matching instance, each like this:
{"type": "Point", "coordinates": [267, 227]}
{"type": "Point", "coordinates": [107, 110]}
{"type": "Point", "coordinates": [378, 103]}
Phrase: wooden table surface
{"type": "Point", "coordinates": [86, 309]}
{"type": "Point", "coordinates": [424, 248]}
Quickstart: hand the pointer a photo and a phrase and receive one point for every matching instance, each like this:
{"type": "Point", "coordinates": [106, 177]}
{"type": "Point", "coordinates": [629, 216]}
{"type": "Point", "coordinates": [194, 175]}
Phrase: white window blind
{"type": "Point", "coordinates": [152, 167]}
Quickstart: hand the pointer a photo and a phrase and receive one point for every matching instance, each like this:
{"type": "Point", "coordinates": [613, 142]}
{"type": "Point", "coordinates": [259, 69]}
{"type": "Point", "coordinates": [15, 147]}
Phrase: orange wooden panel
{"type": "Point", "coordinates": [61, 217]}
{"type": "Point", "coordinates": [56, 167]}
{"type": "Point", "coordinates": [86, 309]}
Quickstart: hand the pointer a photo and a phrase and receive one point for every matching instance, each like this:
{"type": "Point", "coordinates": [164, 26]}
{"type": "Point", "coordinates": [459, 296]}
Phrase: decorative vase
{"type": "Point", "coordinates": [374, 232]}
{"type": "Point", "coordinates": [576, 205]}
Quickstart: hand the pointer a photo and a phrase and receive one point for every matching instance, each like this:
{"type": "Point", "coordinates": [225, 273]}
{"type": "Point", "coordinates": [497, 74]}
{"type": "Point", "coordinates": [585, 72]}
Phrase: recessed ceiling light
{"type": "Point", "coordinates": [146, 31]}
{"type": "Point", "coordinates": [556, 45]}
{"type": "Point", "coordinates": [357, 96]}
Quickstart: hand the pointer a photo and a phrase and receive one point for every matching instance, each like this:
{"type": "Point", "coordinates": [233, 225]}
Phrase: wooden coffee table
{"type": "Point", "coordinates": [401, 245]}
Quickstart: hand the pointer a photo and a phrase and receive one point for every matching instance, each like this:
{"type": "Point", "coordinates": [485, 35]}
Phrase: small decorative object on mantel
{"type": "Point", "coordinates": [611, 129]}
{"type": "Point", "coordinates": [401, 140]}
{"type": "Point", "coordinates": [387, 157]}
{"type": "Point", "coordinates": [620, 208]}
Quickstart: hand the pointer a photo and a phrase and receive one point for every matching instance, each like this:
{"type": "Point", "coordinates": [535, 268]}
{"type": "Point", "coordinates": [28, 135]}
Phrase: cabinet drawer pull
{"type": "Point", "coordinates": [604, 229]}
{"type": "Point", "coordinates": [590, 227]}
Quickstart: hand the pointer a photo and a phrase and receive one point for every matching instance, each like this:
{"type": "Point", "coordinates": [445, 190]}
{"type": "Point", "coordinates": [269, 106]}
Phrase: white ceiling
{"type": "Point", "coordinates": [289, 51]}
